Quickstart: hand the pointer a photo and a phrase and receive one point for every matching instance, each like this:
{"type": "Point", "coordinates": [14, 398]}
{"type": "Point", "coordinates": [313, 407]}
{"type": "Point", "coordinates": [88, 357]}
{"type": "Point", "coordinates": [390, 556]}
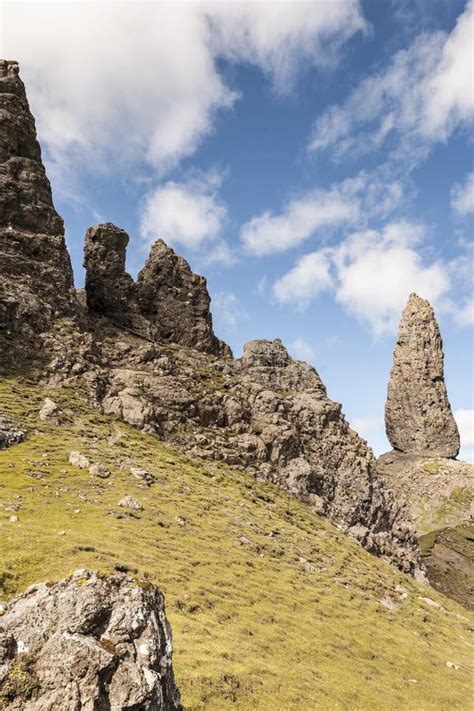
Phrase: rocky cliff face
{"type": "Point", "coordinates": [89, 642]}
{"type": "Point", "coordinates": [418, 415]}
{"type": "Point", "coordinates": [36, 282]}
{"type": "Point", "coordinates": [147, 354]}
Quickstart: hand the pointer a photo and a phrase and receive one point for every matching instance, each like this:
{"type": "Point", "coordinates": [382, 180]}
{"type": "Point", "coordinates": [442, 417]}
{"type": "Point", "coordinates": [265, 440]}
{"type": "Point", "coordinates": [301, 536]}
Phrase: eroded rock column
{"type": "Point", "coordinates": [418, 415]}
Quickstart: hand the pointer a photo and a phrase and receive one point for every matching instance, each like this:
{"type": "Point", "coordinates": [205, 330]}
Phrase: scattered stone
{"type": "Point", "coordinates": [10, 432]}
{"type": "Point", "coordinates": [90, 641]}
{"type": "Point", "coordinates": [180, 521]}
{"type": "Point", "coordinates": [418, 415]}
{"type": "Point", "coordinates": [451, 665]}
{"type": "Point", "coordinates": [49, 412]}
{"type": "Point", "coordinates": [129, 502]}
{"type": "Point", "coordinates": [78, 460]}
{"type": "Point", "coordinates": [13, 519]}
{"type": "Point", "coordinates": [430, 602]}
{"type": "Point", "coordinates": [387, 602]}
{"type": "Point", "coordinates": [143, 475]}
{"type": "Point", "coordinates": [99, 470]}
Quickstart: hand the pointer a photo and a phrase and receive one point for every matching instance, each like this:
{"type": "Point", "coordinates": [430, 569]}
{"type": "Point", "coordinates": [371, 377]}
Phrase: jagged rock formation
{"type": "Point", "coordinates": [418, 415]}
{"type": "Point", "coordinates": [88, 642]}
{"type": "Point", "coordinates": [168, 303]}
{"type": "Point", "coordinates": [264, 412]}
{"type": "Point", "coordinates": [36, 282]}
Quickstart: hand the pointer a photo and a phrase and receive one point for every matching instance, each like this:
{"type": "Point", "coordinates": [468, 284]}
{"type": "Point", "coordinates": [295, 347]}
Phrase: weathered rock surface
{"type": "Point", "coordinates": [36, 282]}
{"type": "Point", "coordinates": [109, 289]}
{"type": "Point", "coordinates": [418, 415]}
{"type": "Point", "coordinates": [89, 643]}
{"type": "Point", "coordinates": [10, 432]}
{"type": "Point", "coordinates": [168, 303]}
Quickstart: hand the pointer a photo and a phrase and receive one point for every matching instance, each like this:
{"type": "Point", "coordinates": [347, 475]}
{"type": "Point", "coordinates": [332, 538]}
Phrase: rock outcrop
{"type": "Point", "coordinates": [269, 414]}
{"type": "Point", "coordinates": [418, 415]}
{"type": "Point", "coordinates": [88, 642]}
{"type": "Point", "coordinates": [36, 282]}
{"type": "Point", "coordinates": [109, 289]}
{"type": "Point", "coordinates": [168, 303]}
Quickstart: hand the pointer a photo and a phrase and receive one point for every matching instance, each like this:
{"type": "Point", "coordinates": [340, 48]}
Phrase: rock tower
{"type": "Point", "coordinates": [418, 415]}
{"type": "Point", "coordinates": [36, 281]}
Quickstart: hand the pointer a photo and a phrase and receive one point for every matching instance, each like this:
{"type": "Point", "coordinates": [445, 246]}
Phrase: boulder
{"type": "Point", "coordinates": [88, 642]}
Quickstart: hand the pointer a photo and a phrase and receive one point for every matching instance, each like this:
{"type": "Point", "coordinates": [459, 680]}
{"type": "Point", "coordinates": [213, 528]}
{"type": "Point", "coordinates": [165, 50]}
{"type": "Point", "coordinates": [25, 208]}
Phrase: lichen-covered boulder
{"type": "Point", "coordinates": [89, 642]}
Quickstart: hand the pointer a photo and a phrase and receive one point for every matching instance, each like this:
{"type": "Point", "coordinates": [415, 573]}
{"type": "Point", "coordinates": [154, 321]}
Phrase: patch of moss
{"type": "Point", "coordinates": [431, 467]}
{"type": "Point", "coordinates": [20, 682]}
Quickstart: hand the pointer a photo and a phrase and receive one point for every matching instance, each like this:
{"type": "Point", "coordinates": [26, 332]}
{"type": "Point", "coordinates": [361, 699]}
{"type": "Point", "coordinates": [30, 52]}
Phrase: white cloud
{"type": "Point", "coordinates": [351, 202]}
{"type": "Point", "coordinates": [299, 348]}
{"type": "Point", "coordinates": [376, 271]}
{"type": "Point", "coordinates": [111, 82]}
{"type": "Point", "coordinates": [308, 278]}
{"type": "Point", "coordinates": [227, 310]}
{"type": "Point", "coordinates": [371, 274]}
{"type": "Point", "coordinates": [185, 213]}
{"type": "Point", "coordinates": [268, 233]}
{"type": "Point", "coordinates": [465, 422]}
{"type": "Point", "coordinates": [366, 426]}
{"type": "Point", "coordinates": [423, 96]}
{"type": "Point", "coordinates": [462, 196]}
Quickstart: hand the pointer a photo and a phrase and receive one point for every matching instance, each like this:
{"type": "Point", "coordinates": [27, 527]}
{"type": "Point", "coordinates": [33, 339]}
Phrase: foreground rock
{"type": "Point", "coordinates": [36, 283]}
{"type": "Point", "coordinates": [418, 415]}
{"type": "Point", "coordinates": [87, 643]}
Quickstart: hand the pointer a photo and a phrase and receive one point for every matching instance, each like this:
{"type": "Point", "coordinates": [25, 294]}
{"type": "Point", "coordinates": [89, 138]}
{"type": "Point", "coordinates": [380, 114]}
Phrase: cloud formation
{"type": "Point", "coordinates": [187, 214]}
{"type": "Point", "coordinates": [110, 82]}
{"type": "Point", "coordinates": [423, 96]}
{"type": "Point", "coordinates": [370, 274]}
{"type": "Point", "coordinates": [462, 196]}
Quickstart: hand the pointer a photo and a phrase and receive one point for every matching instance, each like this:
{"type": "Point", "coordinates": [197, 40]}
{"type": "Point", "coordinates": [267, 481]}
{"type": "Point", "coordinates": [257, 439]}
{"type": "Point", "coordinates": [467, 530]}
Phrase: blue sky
{"type": "Point", "coordinates": [312, 159]}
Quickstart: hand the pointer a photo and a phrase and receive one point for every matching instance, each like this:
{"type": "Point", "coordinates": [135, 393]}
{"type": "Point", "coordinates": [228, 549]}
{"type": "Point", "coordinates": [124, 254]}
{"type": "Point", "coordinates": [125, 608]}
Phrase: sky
{"type": "Point", "coordinates": [314, 160]}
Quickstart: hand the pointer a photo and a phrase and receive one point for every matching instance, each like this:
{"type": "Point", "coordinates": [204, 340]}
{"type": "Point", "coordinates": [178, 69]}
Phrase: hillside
{"type": "Point", "coordinates": [270, 605]}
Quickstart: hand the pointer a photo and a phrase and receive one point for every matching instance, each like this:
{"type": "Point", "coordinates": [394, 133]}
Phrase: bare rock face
{"type": "Point", "coordinates": [35, 271]}
{"type": "Point", "coordinates": [109, 288]}
{"type": "Point", "coordinates": [89, 643]}
{"type": "Point", "coordinates": [176, 301]}
{"type": "Point", "coordinates": [169, 303]}
{"type": "Point", "coordinates": [418, 415]}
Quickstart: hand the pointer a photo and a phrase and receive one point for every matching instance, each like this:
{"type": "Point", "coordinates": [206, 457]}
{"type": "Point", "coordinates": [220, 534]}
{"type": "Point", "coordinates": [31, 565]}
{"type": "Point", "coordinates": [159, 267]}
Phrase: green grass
{"type": "Point", "coordinates": [271, 607]}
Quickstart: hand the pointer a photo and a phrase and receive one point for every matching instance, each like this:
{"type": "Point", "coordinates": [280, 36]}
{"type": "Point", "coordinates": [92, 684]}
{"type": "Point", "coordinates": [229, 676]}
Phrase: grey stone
{"type": "Point", "coordinates": [49, 412]}
{"type": "Point", "coordinates": [418, 415]}
{"type": "Point", "coordinates": [89, 642]}
{"type": "Point", "coordinates": [78, 460]}
{"type": "Point", "coordinates": [99, 470]}
{"type": "Point", "coordinates": [129, 502]}
{"type": "Point", "coordinates": [10, 432]}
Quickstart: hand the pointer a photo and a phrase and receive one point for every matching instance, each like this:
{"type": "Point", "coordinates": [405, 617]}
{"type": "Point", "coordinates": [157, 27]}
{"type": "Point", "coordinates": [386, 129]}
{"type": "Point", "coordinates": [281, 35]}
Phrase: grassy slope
{"type": "Point", "coordinates": [288, 618]}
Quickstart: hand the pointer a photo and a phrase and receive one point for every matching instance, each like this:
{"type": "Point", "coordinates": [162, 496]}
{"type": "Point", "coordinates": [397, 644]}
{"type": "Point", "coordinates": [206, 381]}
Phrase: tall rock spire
{"type": "Point", "coordinates": [418, 415]}
{"type": "Point", "coordinates": [36, 281]}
